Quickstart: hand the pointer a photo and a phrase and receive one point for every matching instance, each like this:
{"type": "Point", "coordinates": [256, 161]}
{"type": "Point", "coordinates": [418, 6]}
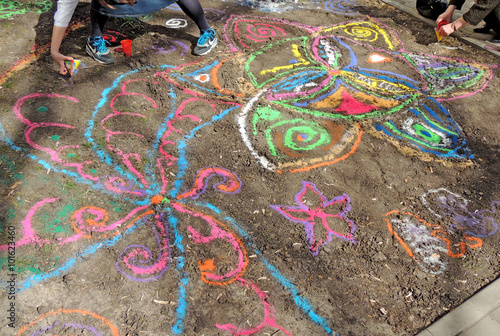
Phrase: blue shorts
{"type": "Point", "coordinates": [140, 8]}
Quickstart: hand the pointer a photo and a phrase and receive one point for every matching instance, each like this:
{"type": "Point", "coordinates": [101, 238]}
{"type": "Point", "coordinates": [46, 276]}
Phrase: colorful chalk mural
{"type": "Point", "coordinates": [308, 108]}
{"type": "Point", "coordinates": [119, 175]}
{"type": "Point", "coordinates": [458, 229]}
{"type": "Point", "coordinates": [312, 107]}
{"type": "Point", "coordinates": [9, 9]}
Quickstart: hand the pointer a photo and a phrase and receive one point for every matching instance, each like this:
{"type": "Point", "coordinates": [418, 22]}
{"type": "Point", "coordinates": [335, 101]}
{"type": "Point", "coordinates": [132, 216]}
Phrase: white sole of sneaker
{"type": "Point", "coordinates": [96, 59]}
{"type": "Point", "coordinates": [209, 50]}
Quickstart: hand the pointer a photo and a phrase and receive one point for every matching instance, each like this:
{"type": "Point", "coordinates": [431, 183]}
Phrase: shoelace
{"type": "Point", "coordinates": [208, 34]}
{"type": "Point", "coordinates": [100, 44]}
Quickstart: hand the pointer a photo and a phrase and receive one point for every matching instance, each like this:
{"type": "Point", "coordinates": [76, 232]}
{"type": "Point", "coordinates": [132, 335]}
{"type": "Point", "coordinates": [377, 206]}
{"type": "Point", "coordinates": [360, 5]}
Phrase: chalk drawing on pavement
{"type": "Point", "coordinates": [70, 322]}
{"type": "Point", "coordinates": [456, 229]}
{"type": "Point", "coordinates": [312, 104]}
{"type": "Point", "coordinates": [10, 8]}
{"type": "Point", "coordinates": [306, 109]}
{"type": "Point", "coordinates": [314, 210]}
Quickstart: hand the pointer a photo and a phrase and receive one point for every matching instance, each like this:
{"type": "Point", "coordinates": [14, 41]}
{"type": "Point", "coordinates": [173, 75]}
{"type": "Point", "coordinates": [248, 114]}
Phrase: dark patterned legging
{"type": "Point", "coordinates": [99, 14]}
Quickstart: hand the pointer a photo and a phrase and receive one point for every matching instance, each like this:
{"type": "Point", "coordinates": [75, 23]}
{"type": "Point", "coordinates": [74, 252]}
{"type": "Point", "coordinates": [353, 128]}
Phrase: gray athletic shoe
{"type": "Point", "coordinates": [206, 42]}
{"type": "Point", "coordinates": [96, 48]}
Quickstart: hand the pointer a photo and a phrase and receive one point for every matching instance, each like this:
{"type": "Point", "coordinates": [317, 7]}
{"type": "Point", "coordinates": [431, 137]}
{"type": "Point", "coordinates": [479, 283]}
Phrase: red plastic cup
{"type": "Point", "coordinates": [442, 23]}
{"type": "Point", "coordinates": [127, 47]}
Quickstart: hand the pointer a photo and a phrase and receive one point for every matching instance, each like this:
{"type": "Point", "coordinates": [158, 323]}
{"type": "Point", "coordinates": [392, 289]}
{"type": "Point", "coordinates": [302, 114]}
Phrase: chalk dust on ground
{"type": "Point", "coordinates": [328, 168]}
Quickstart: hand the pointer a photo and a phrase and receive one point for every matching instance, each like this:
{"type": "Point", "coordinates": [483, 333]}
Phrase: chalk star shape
{"type": "Point", "coordinates": [316, 217]}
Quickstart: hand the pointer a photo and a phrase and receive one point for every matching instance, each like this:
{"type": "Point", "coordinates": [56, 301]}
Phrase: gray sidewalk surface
{"type": "Point", "coordinates": [466, 34]}
{"type": "Point", "coordinates": [480, 314]}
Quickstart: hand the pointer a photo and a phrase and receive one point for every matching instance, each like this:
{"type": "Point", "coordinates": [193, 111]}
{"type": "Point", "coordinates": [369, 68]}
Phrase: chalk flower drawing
{"type": "Point", "coordinates": [459, 229]}
{"type": "Point", "coordinates": [329, 86]}
{"type": "Point", "coordinates": [454, 208]}
{"type": "Point", "coordinates": [318, 207]}
{"type": "Point", "coordinates": [305, 98]}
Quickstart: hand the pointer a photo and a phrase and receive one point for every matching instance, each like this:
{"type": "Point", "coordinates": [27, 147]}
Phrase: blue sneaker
{"type": "Point", "coordinates": [96, 48]}
{"type": "Point", "coordinates": [206, 42]}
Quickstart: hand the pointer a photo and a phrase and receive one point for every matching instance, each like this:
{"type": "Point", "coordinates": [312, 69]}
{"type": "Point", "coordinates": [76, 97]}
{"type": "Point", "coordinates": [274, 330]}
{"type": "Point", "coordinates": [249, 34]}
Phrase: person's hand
{"type": "Point", "coordinates": [443, 17]}
{"type": "Point", "coordinates": [59, 59]}
{"type": "Point", "coordinates": [447, 29]}
{"type": "Point", "coordinates": [446, 15]}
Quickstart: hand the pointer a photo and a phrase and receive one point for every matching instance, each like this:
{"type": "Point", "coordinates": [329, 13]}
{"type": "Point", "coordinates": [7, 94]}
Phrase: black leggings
{"type": "Point", "coordinates": [192, 8]}
{"type": "Point", "coordinates": [493, 20]}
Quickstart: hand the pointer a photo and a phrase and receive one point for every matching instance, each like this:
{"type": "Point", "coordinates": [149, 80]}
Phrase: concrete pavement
{"type": "Point", "coordinates": [478, 316]}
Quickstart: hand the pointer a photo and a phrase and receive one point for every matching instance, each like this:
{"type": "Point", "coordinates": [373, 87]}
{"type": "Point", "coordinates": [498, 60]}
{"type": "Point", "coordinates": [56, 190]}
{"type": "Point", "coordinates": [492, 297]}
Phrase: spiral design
{"type": "Point", "coordinates": [138, 263]}
{"type": "Point", "coordinates": [176, 23]}
{"type": "Point", "coordinates": [88, 220]}
{"type": "Point", "coordinates": [362, 33]}
{"type": "Point", "coordinates": [231, 184]}
{"type": "Point", "coordinates": [305, 137]}
{"type": "Point", "coordinates": [113, 36]}
{"type": "Point", "coordinates": [343, 7]}
{"type": "Point", "coordinates": [299, 138]}
{"type": "Point", "coordinates": [211, 272]}
{"type": "Point", "coordinates": [261, 32]}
